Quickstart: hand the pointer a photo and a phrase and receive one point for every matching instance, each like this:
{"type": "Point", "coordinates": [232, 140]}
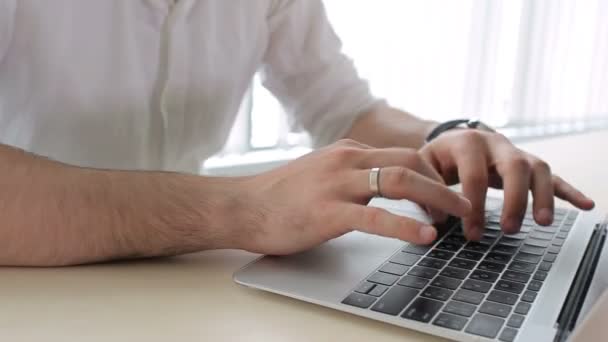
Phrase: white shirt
{"type": "Point", "coordinates": [156, 85]}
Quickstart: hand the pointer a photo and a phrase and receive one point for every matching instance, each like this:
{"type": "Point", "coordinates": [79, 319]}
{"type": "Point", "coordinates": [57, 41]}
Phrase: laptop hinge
{"type": "Point", "coordinates": [582, 280]}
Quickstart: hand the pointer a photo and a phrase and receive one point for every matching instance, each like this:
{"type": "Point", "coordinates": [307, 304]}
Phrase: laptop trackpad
{"type": "Point", "coordinates": [326, 273]}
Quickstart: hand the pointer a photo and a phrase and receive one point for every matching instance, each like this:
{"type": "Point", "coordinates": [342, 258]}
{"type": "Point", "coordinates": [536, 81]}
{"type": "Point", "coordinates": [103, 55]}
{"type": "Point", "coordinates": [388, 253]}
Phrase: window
{"type": "Point", "coordinates": [529, 67]}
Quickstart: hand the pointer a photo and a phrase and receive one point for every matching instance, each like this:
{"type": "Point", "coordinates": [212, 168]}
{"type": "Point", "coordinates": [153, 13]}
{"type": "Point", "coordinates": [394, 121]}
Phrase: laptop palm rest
{"type": "Point", "coordinates": [326, 273]}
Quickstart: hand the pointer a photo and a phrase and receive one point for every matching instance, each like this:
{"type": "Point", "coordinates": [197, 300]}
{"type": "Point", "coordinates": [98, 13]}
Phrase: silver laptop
{"type": "Point", "coordinates": [530, 286]}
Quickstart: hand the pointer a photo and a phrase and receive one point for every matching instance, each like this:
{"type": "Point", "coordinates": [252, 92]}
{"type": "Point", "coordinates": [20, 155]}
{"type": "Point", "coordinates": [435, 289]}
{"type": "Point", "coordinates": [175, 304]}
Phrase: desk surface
{"type": "Point", "coordinates": [193, 298]}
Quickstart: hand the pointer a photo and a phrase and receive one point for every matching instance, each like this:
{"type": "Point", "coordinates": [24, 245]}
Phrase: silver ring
{"type": "Point", "coordinates": [374, 181]}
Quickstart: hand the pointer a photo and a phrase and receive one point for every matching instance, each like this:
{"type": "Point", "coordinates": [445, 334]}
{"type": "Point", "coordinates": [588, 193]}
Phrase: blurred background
{"type": "Point", "coordinates": [530, 68]}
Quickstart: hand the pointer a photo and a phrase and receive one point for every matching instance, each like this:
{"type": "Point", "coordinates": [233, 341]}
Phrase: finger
{"type": "Point", "coordinates": [380, 222]}
{"type": "Point", "coordinates": [542, 193]}
{"type": "Point", "coordinates": [399, 157]}
{"type": "Point", "coordinates": [569, 193]}
{"type": "Point", "coordinates": [402, 183]}
{"type": "Point", "coordinates": [407, 158]}
{"type": "Point", "coordinates": [516, 174]}
{"type": "Point", "coordinates": [473, 175]}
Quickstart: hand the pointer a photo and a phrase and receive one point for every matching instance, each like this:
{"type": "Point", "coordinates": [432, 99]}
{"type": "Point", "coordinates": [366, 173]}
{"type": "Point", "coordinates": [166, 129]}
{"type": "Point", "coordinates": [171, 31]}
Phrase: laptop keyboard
{"type": "Point", "coordinates": [484, 288]}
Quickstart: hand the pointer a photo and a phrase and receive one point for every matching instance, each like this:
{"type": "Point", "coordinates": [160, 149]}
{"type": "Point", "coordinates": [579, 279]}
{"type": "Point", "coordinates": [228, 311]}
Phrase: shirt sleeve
{"type": "Point", "coordinates": [305, 69]}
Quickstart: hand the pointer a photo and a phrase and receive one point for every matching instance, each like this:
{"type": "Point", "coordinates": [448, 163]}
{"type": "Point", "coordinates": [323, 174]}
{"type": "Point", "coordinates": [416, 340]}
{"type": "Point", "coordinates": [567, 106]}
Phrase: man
{"type": "Point", "coordinates": [117, 93]}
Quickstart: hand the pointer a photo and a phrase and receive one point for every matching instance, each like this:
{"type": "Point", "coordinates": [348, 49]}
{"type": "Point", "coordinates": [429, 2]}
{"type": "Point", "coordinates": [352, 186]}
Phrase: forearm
{"type": "Point", "coordinates": [385, 126]}
{"type": "Point", "coordinates": [56, 214]}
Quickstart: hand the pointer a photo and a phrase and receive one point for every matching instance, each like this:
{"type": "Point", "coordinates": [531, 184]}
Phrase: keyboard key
{"type": "Point", "coordinates": [541, 235]}
{"type": "Point", "coordinates": [422, 310]}
{"type": "Point", "coordinates": [540, 275]}
{"type": "Point", "coordinates": [378, 290]}
{"type": "Point", "coordinates": [522, 267]}
{"type": "Point", "coordinates": [415, 282]}
{"type": "Point", "coordinates": [491, 234]}
{"type": "Point", "coordinates": [457, 239]}
{"type": "Point", "coordinates": [445, 282]}
{"type": "Point", "coordinates": [423, 272]}
{"type": "Point", "coordinates": [468, 296]}
{"type": "Point", "coordinates": [537, 242]}
{"type": "Point", "coordinates": [508, 335]}
{"type": "Point", "coordinates": [395, 269]}
{"type": "Point", "coordinates": [450, 321]}
{"type": "Point", "coordinates": [553, 249]}
{"type": "Point", "coordinates": [545, 266]}
{"type": "Point", "coordinates": [416, 249]}
{"type": "Point", "coordinates": [484, 275]}
{"type": "Point", "coordinates": [462, 263]}
{"type": "Point", "coordinates": [440, 254]}
{"type": "Point", "coordinates": [495, 309]}
{"type": "Point", "coordinates": [525, 257]}
{"type": "Point", "coordinates": [532, 250]}
{"type": "Point", "coordinates": [359, 300]}
{"type": "Point", "coordinates": [503, 297]}
{"type": "Point", "coordinates": [546, 229]}
{"type": "Point", "coordinates": [516, 276]}
{"type": "Point", "coordinates": [515, 321]}
{"type": "Point", "coordinates": [476, 285]}
{"type": "Point", "coordinates": [406, 259]}
{"type": "Point", "coordinates": [437, 293]}
{"type": "Point", "coordinates": [395, 300]}
{"type": "Point", "coordinates": [488, 240]}
{"type": "Point", "coordinates": [558, 242]}
{"type": "Point", "coordinates": [454, 273]}
{"type": "Point", "coordinates": [432, 263]}
{"type": "Point", "coordinates": [506, 241]}
{"type": "Point", "coordinates": [550, 257]}
{"type": "Point", "coordinates": [470, 255]}
{"type": "Point", "coordinates": [528, 296]}
{"type": "Point", "coordinates": [562, 235]}
{"type": "Point", "coordinates": [449, 246]}
{"type": "Point", "coordinates": [484, 325]}
{"type": "Point", "coordinates": [522, 308]}
{"type": "Point", "coordinates": [365, 287]}
{"type": "Point", "coordinates": [498, 258]}
{"type": "Point", "coordinates": [517, 236]}
{"type": "Point", "coordinates": [383, 278]}
{"type": "Point", "coordinates": [510, 250]}
{"type": "Point", "coordinates": [476, 247]}
{"type": "Point", "coordinates": [491, 266]}
{"type": "Point", "coordinates": [510, 286]}
{"type": "Point", "coordinates": [535, 285]}
{"type": "Point", "coordinates": [459, 308]}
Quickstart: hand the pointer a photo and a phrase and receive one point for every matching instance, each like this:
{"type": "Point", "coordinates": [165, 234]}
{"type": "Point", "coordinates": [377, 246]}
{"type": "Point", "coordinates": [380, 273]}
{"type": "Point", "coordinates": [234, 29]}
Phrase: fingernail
{"type": "Point", "coordinates": [545, 215]}
{"type": "Point", "coordinates": [427, 233]}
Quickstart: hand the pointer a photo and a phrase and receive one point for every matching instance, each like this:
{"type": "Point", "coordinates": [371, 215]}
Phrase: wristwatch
{"type": "Point", "coordinates": [459, 123]}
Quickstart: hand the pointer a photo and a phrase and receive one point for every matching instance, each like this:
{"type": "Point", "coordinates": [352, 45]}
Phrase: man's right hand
{"type": "Point", "coordinates": [324, 194]}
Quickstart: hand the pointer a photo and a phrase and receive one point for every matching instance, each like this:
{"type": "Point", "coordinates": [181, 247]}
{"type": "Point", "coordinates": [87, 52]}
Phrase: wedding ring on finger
{"type": "Point", "coordinates": [374, 181]}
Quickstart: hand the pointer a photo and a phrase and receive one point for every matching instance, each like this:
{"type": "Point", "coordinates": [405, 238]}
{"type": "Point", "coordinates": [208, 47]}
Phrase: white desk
{"type": "Point", "coordinates": [193, 298]}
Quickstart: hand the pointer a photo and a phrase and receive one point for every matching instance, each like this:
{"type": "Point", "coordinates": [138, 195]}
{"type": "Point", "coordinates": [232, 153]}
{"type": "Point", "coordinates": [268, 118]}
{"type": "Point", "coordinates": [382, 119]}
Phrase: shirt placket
{"type": "Point", "coordinates": [173, 95]}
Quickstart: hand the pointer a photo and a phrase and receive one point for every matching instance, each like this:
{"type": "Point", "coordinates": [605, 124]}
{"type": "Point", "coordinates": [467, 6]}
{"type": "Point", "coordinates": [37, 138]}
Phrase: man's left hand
{"type": "Point", "coordinates": [479, 159]}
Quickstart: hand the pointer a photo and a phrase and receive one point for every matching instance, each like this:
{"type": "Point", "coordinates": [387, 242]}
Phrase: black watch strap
{"type": "Point", "coordinates": [448, 125]}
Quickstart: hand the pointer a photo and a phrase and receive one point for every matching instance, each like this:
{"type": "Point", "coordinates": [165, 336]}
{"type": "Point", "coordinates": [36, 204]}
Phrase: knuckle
{"type": "Point", "coordinates": [519, 163]}
{"type": "Point", "coordinates": [401, 175]}
{"type": "Point", "coordinates": [541, 165]}
{"type": "Point", "coordinates": [471, 136]}
{"type": "Point", "coordinates": [342, 154]}
{"type": "Point", "coordinates": [412, 158]}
